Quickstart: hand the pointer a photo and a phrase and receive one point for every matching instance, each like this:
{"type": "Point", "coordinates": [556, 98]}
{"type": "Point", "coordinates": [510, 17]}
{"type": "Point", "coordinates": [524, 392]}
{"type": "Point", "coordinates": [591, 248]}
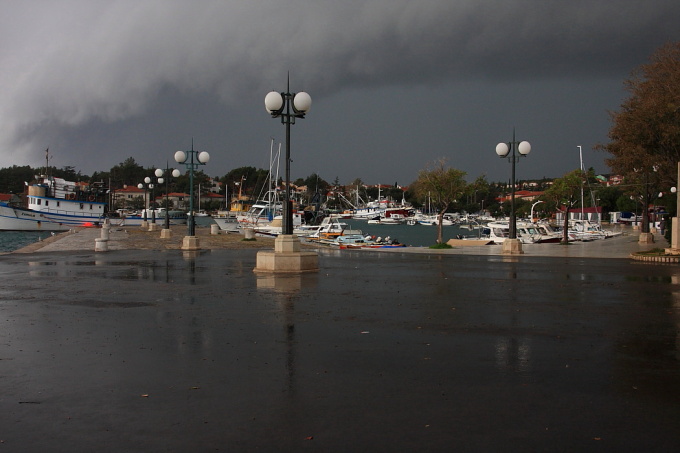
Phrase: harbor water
{"type": "Point", "coordinates": [412, 235]}
{"type": "Point", "coordinates": [14, 240]}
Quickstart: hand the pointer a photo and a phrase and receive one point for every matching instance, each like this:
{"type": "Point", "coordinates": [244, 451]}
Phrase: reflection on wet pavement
{"type": "Point", "coordinates": [392, 352]}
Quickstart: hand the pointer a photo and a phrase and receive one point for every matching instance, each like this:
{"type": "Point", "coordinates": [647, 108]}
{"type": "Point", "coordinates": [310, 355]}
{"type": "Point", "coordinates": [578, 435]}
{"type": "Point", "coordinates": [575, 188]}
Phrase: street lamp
{"type": "Point", "coordinates": [532, 209]}
{"type": "Point", "coordinates": [275, 104]}
{"type": "Point", "coordinates": [159, 174]}
{"type": "Point", "coordinates": [191, 159]}
{"type": "Point", "coordinates": [508, 150]}
{"type": "Point", "coordinates": [147, 185]}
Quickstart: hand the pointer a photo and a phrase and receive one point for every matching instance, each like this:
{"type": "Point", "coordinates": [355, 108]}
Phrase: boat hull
{"type": "Point", "coordinates": [19, 219]}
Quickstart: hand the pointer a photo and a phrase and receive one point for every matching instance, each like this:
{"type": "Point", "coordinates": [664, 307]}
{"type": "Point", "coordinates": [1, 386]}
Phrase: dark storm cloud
{"type": "Point", "coordinates": [393, 81]}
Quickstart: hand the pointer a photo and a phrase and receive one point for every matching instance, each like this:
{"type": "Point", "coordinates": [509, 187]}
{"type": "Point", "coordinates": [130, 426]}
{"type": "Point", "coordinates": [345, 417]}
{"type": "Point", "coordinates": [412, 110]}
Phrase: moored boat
{"type": "Point", "coordinates": [394, 219]}
{"type": "Point", "coordinates": [499, 231]}
{"type": "Point", "coordinates": [54, 204]}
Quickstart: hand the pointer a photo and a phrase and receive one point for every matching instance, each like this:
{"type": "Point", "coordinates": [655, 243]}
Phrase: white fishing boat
{"type": "Point", "coordinates": [499, 231]}
{"type": "Point", "coordinates": [262, 212]}
{"type": "Point", "coordinates": [54, 204]}
{"type": "Point", "coordinates": [585, 230]}
{"type": "Point", "coordinates": [227, 221]}
{"type": "Point", "coordinates": [549, 234]}
{"type": "Point", "coordinates": [537, 234]}
{"type": "Point", "coordinates": [394, 219]}
{"type": "Point", "coordinates": [330, 228]}
{"type": "Point", "coordinates": [275, 227]}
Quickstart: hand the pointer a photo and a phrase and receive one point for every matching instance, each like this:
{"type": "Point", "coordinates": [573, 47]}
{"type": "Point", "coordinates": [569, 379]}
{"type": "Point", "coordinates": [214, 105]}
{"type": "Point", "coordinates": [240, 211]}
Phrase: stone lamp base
{"type": "Point", "coordinates": [287, 257]}
{"type": "Point", "coordinates": [512, 247]}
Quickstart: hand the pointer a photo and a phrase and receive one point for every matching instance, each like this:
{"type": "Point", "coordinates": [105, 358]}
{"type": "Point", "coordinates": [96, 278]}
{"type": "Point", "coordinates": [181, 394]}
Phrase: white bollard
{"type": "Point", "coordinates": [214, 229]}
{"type": "Point", "coordinates": [101, 245]}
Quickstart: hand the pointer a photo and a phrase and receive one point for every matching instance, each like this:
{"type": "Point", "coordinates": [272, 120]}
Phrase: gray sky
{"type": "Point", "coordinates": [395, 84]}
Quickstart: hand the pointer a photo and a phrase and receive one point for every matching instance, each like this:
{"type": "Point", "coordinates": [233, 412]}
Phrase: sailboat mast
{"type": "Point", "coordinates": [580, 153]}
{"type": "Point", "coordinates": [271, 162]}
{"type": "Point", "coordinates": [278, 164]}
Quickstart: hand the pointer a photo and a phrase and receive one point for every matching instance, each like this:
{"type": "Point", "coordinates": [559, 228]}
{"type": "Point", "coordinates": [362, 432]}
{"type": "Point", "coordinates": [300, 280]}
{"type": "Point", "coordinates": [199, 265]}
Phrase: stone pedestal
{"type": "Point", "coordinates": [214, 229]}
{"type": "Point", "coordinates": [285, 243]}
{"type": "Point", "coordinates": [675, 237]}
{"type": "Point", "coordinates": [287, 257]}
{"type": "Point", "coordinates": [144, 225]}
{"type": "Point", "coordinates": [153, 227]}
{"type": "Point", "coordinates": [166, 233]}
{"type": "Point", "coordinates": [512, 247]}
{"type": "Point", "coordinates": [646, 238]}
{"type": "Point", "coordinates": [190, 243]}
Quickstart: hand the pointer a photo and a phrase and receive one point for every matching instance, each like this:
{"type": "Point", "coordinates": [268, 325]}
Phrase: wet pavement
{"type": "Point", "coordinates": [150, 351]}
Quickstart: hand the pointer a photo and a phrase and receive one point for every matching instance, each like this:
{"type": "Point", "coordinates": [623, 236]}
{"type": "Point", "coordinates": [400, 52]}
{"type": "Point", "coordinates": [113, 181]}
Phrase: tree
{"type": "Point", "coordinates": [565, 191]}
{"type": "Point", "coordinates": [645, 134]}
{"type": "Point", "coordinates": [128, 172]}
{"type": "Point", "coordinates": [443, 184]}
{"type": "Point", "coordinates": [13, 179]}
{"type": "Point", "coordinates": [476, 194]}
{"type": "Point", "coordinates": [607, 198]}
{"type": "Point", "coordinates": [255, 181]}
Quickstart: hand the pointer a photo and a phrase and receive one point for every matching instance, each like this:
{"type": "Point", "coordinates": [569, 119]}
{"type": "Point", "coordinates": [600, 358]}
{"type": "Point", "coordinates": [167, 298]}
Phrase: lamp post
{"type": "Point", "coordinates": [191, 159]}
{"type": "Point", "coordinates": [508, 150]}
{"type": "Point", "coordinates": [288, 106]}
{"type": "Point", "coordinates": [159, 174]}
{"type": "Point", "coordinates": [146, 185]}
{"type": "Point", "coordinates": [287, 256]}
{"type": "Point", "coordinates": [532, 209]}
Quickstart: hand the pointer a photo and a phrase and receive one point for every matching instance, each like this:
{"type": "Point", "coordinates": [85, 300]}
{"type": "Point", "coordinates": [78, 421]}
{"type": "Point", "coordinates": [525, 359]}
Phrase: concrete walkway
{"type": "Point", "coordinates": [159, 350]}
{"type": "Point", "coordinates": [616, 247]}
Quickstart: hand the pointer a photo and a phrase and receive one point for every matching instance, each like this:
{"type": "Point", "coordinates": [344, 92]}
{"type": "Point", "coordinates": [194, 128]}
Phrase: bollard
{"type": "Point", "coordinates": [105, 232]}
{"type": "Point", "coordinates": [249, 233]}
{"type": "Point", "coordinates": [101, 245]}
{"type": "Point", "coordinates": [214, 229]}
